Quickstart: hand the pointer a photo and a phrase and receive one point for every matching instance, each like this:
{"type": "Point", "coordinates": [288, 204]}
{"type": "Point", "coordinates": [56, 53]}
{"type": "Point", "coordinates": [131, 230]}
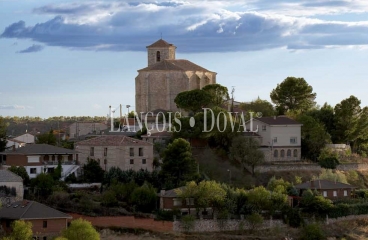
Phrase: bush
{"type": "Point", "coordinates": [144, 198]}
{"type": "Point", "coordinates": [163, 215]}
{"type": "Point", "coordinates": [255, 220]}
{"type": "Point", "coordinates": [188, 222]}
{"type": "Point", "coordinates": [329, 163]}
{"type": "Point", "coordinates": [109, 199]}
{"type": "Point", "coordinates": [312, 232]}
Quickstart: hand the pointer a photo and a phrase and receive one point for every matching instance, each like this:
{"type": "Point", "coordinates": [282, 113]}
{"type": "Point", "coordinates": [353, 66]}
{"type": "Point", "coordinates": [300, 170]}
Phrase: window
{"type": "Point", "coordinates": [275, 139]}
{"type": "Point", "coordinates": [140, 152]}
{"type": "Point", "coordinates": [189, 201]}
{"type": "Point", "coordinates": [131, 161]}
{"type": "Point", "coordinates": [50, 170]}
{"type": "Point", "coordinates": [335, 193]}
{"type": "Point", "coordinates": [158, 57]}
{"type": "Point", "coordinates": [177, 201]}
{"type": "Point", "coordinates": [33, 171]}
{"type": "Point", "coordinates": [44, 224]}
{"type": "Point", "coordinates": [92, 151]}
{"type": "Point", "coordinates": [144, 161]}
{"type": "Point", "coordinates": [295, 153]}
{"type": "Point", "coordinates": [345, 193]}
{"type": "Point", "coordinates": [282, 153]}
{"type": "Point", "coordinates": [264, 127]}
{"type": "Point", "coordinates": [276, 153]}
{"type": "Point", "coordinates": [131, 151]}
{"type": "Point", "coordinates": [325, 193]}
{"type": "Point", "coordinates": [293, 140]}
{"type": "Point", "coordinates": [105, 152]}
{"type": "Point", "coordinates": [288, 153]}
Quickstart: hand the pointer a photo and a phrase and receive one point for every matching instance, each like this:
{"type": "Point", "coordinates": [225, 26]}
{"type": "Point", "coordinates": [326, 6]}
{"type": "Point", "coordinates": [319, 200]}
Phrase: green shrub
{"type": "Point", "coordinates": [312, 231]}
{"type": "Point", "coordinates": [329, 163]}
{"type": "Point", "coordinates": [144, 198]}
{"type": "Point", "coordinates": [255, 220]}
{"type": "Point", "coordinates": [188, 222]}
{"type": "Point", "coordinates": [109, 199]}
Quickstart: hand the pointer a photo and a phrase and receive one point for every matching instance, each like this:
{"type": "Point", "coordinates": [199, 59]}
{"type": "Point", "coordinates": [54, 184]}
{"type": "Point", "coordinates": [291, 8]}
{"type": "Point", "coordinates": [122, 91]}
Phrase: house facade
{"type": "Point", "coordinates": [13, 143]}
{"type": "Point", "coordinates": [117, 151]}
{"type": "Point", "coordinates": [11, 181]}
{"type": "Point", "coordinates": [328, 189]}
{"type": "Point", "coordinates": [157, 137]}
{"type": "Point", "coordinates": [47, 222]}
{"type": "Point", "coordinates": [41, 158]}
{"type": "Point", "coordinates": [26, 138]}
{"type": "Point", "coordinates": [279, 137]}
{"type": "Point", "coordinates": [169, 200]}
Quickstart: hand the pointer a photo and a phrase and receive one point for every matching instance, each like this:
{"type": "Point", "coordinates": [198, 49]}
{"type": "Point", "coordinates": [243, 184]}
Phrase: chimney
{"type": "Point", "coordinates": [162, 193]}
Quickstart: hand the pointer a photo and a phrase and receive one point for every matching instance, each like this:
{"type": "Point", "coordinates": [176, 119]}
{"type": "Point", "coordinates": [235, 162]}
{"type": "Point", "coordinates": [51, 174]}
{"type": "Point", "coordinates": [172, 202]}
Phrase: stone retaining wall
{"type": "Point", "coordinates": [351, 217]}
{"type": "Point", "coordinates": [212, 225]}
{"type": "Point", "coordinates": [307, 167]}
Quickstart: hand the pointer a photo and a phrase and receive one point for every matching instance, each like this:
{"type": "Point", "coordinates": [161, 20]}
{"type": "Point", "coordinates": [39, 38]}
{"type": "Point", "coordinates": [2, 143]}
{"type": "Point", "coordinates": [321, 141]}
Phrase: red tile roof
{"type": "Point", "coordinates": [112, 140]}
{"type": "Point", "coordinates": [175, 65]}
{"type": "Point", "coordinates": [160, 43]}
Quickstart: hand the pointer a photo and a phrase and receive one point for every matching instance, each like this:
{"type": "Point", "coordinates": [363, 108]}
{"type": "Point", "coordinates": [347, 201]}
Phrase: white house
{"type": "Point", "coordinates": [280, 137]}
{"type": "Point", "coordinates": [13, 143]}
{"type": "Point", "coordinates": [11, 181]}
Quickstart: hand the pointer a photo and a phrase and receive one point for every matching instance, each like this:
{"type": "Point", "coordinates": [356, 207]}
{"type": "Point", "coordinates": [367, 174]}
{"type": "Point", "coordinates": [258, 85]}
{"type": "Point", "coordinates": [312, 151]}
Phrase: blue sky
{"type": "Point", "coordinates": [65, 58]}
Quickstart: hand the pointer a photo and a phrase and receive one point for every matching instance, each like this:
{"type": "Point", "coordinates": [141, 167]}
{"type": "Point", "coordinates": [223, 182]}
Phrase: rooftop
{"type": "Point", "coordinates": [171, 193]}
{"type": "Point", "coordinates": [112, 140]}
{"type": "Point", "coordinates": [40, 149]}
{"type": "Point", "coordinates": [323, 184]}
{"type": "Point", "coordinates": [8, 176]}
{"type": "Point", "coordinates": [30, 210]}
{"type": "Point", "coordinates": [175, 65]}
{"type": "Point", "coordinates": [160, 43]}
{"type": "Point", "coordinates": [279, 120]}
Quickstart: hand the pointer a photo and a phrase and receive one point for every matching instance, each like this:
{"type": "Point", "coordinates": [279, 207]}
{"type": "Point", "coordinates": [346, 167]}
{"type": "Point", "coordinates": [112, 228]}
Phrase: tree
{"type": "Point", "coordinates": [22, 230]}
{"type": "Point", "coordinates": [144, 198]}
{"type": "Point", "coordinates": [246, 151]}
{"type": "Point", "coordinates": [81, 229]}
{"type": "Point", "coordinates": [218, 93]}
{"type": "Point", "coordinates": [21, 172]}
{"type": "Point", "coordinates": [259, 105]}
{"type": "Point", "coordinates": [259, 198]}
{"type": "Point", "coordinates": [314, 137]}
{"type": "Point", "coordinates": [193, 101]}
{"type": "Point", "coordinates": [330, 162]}
{"type": "Point", "coordinates": [325, 115]}
{"type": "Point", "coordinates": [43, 184]}
{"type": "Point", "coordinates": [92, 171]}
{"type": "Point", "coordinates": [351, 122]}
{"type": "Point", "coordinates": [178, 165]}
{"type": "Point", "coordinates": [293, 94]}
{"type": "Point", "coordinates": [47, 138]}
{"type": "Point", "coordinates": [3, 130]}
{"type": "Point", "coordinates": [255, 220]}
{"type": "Point", "coordinates": [56, 175]}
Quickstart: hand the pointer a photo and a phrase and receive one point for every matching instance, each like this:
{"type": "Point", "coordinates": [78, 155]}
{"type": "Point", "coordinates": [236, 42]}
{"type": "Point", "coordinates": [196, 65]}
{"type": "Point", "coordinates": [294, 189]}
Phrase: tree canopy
{"type": "Point", "coordinates": [3, 140]}
{"type": "Point", "coordinates": [259, 105]}
{"type": "Point", "coordinates": [219, 94]}
{"type": "Point", "coordinates": [178, 165]}
{"type": "Point", "coordinates": [81, 229]}
{"type": "Point", "coordinates": [92, 171]}
{"type": "Point", "coordinates": [293, 94]}
{"type": "Point", "coordinates": [47, 138]}
{"type": "Point", "coordinates": [193, 101]}
{"type": "Point", "coordinates": [245, 150]}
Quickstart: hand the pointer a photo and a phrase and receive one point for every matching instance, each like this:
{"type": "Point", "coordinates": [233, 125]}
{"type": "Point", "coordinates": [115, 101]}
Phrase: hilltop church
{"type": "Point", "coordinates": [157, 85]}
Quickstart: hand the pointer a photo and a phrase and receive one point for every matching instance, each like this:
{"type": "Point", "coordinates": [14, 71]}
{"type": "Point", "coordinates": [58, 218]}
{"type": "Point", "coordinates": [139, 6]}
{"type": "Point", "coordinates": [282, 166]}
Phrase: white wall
{"type": "Point", "coordinates": [27, 138]}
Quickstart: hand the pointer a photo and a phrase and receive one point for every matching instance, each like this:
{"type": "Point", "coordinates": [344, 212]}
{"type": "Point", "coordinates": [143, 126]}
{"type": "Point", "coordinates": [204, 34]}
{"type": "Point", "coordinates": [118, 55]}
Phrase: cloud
{"type": "Point", "coordinates": [33, 48]}
{"type": "Point", "coordinates": [194, 26]}
{"type": "Point", "coordinates": [13, 107]}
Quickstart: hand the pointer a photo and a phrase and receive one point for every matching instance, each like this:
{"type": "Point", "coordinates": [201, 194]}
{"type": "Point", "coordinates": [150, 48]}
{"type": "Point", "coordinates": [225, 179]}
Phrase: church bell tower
{"type": "Point", "coordinates": [159, 51]}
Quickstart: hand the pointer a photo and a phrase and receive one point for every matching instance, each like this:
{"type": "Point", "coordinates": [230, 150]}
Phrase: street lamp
{"type": "Point", "coordinates": [229, 176]}
{"type": "Point", "coordinates": [128, 106]}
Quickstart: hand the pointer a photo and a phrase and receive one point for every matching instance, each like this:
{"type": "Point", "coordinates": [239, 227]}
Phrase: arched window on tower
{"type": "Point", "coordinates": [158, 57]}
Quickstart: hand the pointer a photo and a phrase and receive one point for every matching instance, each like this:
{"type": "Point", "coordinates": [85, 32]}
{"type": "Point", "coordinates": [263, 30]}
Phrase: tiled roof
{"type": "Point", "coordinates": [322, 184]}
{"type": "Point", "coordinates": [280, 120]}
{"type": "Point", "coordinates": [30, 210]}
{"type": "Point", "coordinates": [160, 43]}
{"type": "Point", "coordinates": [171, 193]}
{"type": "Point", "coordinates": [112, 140]}
{"type": "Point", "coordinates": [174, 65]}
{"type": "Point", "coordinates": [8, 176]}
{"type": "Point", "coordinates": [40, 149]}
{"type": "Point", "coordinates": [159, 134]}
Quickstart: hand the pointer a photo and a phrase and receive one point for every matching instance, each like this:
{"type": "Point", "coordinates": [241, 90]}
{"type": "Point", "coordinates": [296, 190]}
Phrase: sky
{"type": "Point", "coordinates": [75, 58]}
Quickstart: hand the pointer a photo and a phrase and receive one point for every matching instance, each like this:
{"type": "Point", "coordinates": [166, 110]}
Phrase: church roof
{"type": "Point", "coordinates": [160, 43]}
{"type": "Point", "coordinates": [175, 65]}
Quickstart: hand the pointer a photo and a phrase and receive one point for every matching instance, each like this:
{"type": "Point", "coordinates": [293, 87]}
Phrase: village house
{"type": "Point", "coordinates": [10, 181]}
{"type": "Point", "coordinates": [169, 200]}
{"type": "Point", "coordinates": [41, 158]}
{"type": "Point", "coordinates": [279, 137]}
{"type": "Point", "coordinates": [13, 143]}
{"type": "Point", "coordinates": [329, 189]}
{"type": "Point", "coordinates": [25, 138]}
{"type": "Point", "coordinates": [117, 151]}
{"type": "Point", "coordinates": [47, 222]}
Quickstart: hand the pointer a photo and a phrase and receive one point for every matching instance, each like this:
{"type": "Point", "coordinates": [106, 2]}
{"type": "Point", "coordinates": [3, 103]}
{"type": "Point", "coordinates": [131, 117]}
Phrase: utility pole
{"type": "Point", "coordinates": [232, 98]}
